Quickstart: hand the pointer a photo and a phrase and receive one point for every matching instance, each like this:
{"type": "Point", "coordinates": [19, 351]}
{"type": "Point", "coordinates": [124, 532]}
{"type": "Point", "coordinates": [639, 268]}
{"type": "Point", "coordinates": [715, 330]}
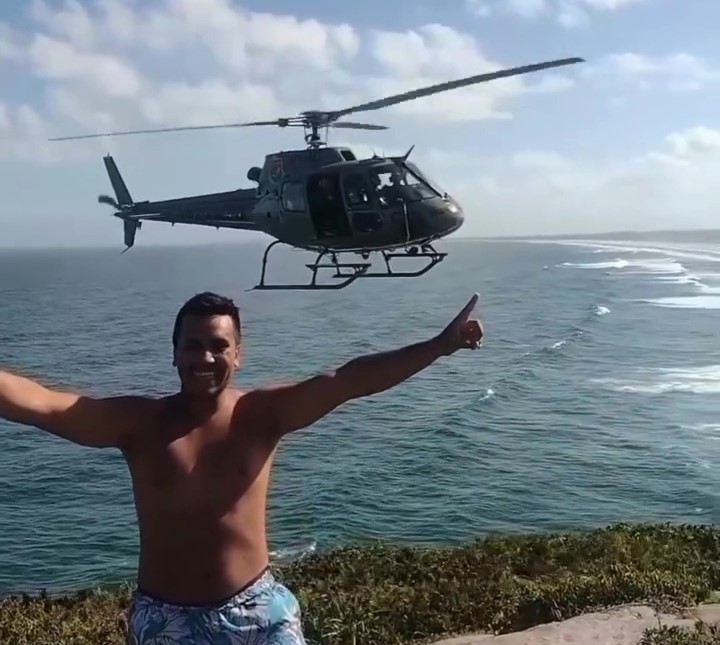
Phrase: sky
{"type": "Point", "coordinates": [630, 139]}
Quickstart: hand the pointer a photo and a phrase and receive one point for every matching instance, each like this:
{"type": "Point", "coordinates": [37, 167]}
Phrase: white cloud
{"type": "Point", "coordinates": [22, 134]}
{"type": "Point", "coordinates": [212, 100]}
{"type": "Point", "coordinates": [437, 53]}
{"type": "Point", "coordinates": [569, 13]}
{"type": "Point", "coordinates": [109, 64]}
{"type": "Point", "coordinates": [70, 21]}
{"type": "Point", "coordinates": [10, 48]}
{"type": "Point", "coordinates": [479, 8]}
{"type": "Point", "coordinates": [679, 71]}
{"type": "Point", "coordinates": [62, 61]}
{"type": "Point", "coordinates": [609, 5]}
{"type": "Point", "coordinates": [537, 191]}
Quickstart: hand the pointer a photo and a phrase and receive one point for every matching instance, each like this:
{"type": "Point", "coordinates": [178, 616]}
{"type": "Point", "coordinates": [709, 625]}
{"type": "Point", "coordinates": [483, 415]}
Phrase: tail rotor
{"type": "Point", "coordinates": [122, 202]}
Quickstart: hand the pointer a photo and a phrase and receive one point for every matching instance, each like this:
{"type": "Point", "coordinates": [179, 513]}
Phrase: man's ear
{"type": "Point", "coordinates": [238, 355]}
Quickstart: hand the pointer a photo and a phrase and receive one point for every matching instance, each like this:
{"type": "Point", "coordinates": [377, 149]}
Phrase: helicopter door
{"type": "Point", "coordinates": [327, 210]}
{"type": "Point", "coordinates": [361, 204]}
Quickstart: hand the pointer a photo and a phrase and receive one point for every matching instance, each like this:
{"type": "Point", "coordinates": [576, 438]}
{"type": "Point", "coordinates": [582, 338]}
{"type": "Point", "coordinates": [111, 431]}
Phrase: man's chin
{"type": "Point", "coordinates": [203, 390]}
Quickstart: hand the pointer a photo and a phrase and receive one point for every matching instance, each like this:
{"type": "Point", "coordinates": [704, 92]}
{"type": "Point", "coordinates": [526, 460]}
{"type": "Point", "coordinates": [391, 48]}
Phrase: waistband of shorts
{"type": "Point", "coordinates": [247, 589]}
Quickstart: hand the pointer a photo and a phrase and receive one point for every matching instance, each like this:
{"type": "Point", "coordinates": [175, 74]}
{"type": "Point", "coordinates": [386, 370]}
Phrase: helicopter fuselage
{"type": "Point", "coordinates": [350, 204]}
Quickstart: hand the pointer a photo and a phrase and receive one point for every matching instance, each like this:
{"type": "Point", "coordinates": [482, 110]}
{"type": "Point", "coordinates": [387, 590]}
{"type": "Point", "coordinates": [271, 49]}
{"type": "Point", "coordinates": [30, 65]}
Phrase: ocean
{"type": "Point", "coordinates": [595, 399]}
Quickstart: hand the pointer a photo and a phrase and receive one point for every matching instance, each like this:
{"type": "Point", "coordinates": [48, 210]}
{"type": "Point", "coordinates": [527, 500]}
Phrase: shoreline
{"type": "Point", "coordinates": [380, 593]}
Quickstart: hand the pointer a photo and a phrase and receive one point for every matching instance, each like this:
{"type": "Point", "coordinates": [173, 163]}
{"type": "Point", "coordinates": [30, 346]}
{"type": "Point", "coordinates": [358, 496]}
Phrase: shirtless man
{"type": "Point", "coordinates": [199, 462]}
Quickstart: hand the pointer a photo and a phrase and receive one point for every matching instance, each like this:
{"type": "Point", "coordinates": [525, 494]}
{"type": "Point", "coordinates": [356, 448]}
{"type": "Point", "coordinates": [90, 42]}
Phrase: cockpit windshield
{"type": "Point", "coordinates": [396, 181]}
{"type": "Point", "coordinates": [423, 177]}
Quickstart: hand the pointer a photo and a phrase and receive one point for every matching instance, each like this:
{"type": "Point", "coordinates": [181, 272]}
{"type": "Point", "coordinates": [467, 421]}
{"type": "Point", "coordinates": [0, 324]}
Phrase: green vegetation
{"type": "Point", "coordinates": [383, 594]}
{"type": "Point", "coordinates": [702, 634]}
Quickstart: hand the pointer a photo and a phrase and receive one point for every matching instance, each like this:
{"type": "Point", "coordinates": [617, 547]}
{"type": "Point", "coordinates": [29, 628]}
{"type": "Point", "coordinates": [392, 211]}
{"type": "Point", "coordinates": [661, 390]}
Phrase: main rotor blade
{"type": "Point", "coordinates": [349, 125]}
{"type": "Point", "coordinates": [451, 85]}
{"type": "Point", "coordinates": [278, 122]}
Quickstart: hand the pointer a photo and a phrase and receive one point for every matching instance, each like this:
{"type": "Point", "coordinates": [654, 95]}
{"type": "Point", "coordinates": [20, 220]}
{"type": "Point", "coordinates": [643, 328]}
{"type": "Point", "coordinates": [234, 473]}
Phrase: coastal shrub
{"type": "Point", "coordinates": [701, 634]}
{"type": "Point", "coordinates": [387, 594]}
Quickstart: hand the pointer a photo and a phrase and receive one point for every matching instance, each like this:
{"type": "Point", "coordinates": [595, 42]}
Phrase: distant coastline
{"type": "Point", "coordinates": [711, 235]}
{"type": "Point", "coordinates": [662, 235]}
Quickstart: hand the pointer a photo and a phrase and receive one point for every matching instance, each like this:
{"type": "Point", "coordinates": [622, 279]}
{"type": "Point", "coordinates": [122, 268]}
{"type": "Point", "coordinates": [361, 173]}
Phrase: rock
{"type": "Point", "coordinates": [619, 626]}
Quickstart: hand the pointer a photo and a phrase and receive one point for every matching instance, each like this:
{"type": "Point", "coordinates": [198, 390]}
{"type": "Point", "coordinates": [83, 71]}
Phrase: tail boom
{"type": "Point", "coordinates": [232, 209]}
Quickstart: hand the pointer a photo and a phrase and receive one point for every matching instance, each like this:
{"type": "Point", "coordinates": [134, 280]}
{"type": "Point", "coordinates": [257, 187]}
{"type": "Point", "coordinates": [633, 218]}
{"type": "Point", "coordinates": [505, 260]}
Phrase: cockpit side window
{"type": "Point", "coordinates": [293, 196]}
{"type": "Point", "coordinates": [357, 192]}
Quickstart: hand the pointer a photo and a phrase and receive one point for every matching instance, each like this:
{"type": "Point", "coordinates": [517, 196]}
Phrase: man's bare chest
{"type": "Point", "coordinates": [213, 474]}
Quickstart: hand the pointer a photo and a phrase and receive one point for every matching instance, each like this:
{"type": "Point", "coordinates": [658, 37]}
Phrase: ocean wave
{"type": "Point", "coordinates": [665, 266]}
{"type": "Point", "coordinates": [705, 254]}
{"type": "Point", "coordinates": [619, 263]}
{"type": "Point", "coordinates": [686, 302]}
{"type": "Point", "coordinates": [667, 269]}
{"type": "Point", "coordinates": [596, 311]}
{"type": "Point", "coordinates": [707, 430]}
{"type": "Point", "coordinates": [293, 552]}
{"type": "Point", "coordinates": [696, 380]}
{"type": "Point", "coordinates": [600, 310]}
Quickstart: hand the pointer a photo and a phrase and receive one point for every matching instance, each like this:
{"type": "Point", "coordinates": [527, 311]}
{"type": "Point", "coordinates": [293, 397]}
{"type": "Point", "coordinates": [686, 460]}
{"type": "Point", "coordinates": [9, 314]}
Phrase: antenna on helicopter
{"type": "Point", "coordinates": [313, 120]}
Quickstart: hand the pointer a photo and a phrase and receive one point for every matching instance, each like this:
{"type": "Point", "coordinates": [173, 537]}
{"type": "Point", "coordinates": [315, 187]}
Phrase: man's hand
{"type": "Point", "coordinates": [463, 332]}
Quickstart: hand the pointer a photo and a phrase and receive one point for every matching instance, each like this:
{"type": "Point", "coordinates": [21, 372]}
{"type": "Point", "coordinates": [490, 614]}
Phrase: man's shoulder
{"type": "Point", "coordinates": [138, 411]}
{"type": "Point", "coordinates": [252, 409]}
{"type": "Point", "coordinates": [142, 402]}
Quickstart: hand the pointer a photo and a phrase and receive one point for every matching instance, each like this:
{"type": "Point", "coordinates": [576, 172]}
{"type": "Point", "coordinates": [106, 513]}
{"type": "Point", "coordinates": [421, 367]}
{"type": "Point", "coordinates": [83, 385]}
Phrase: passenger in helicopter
{"type": "Point", "coordinates": [327, 208]}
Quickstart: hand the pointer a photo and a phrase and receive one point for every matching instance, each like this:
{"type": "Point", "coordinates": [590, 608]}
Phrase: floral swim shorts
{"type": "Point", "coordinates": [263, 613]}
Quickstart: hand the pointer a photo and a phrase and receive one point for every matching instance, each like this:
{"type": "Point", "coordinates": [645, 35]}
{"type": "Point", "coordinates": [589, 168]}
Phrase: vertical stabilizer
{"type": "Point", "coordinates": [121, 192]}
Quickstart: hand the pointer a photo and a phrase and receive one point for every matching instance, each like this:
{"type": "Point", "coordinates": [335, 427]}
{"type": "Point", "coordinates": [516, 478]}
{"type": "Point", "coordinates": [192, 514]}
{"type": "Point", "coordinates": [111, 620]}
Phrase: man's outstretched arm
{"type": "Point", "coordinates": [101, 423]}
{"type": "Point", "coordinates": [298, 405]}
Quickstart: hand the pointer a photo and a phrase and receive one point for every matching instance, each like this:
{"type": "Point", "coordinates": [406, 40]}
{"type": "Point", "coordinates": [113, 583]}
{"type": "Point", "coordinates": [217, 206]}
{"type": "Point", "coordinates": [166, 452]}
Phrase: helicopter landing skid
{"type": "Point", "coordinates": [427, 251]}
{"type": "Point", "coordinates": [357, 269]}
{"type": "Point", "coordinates": [348, 272]}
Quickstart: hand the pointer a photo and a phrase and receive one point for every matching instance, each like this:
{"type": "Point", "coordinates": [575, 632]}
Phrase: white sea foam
{"type": "Point", "coordinates": [665, 266]}
{"type": "Point", "coordinates": [686, 302]}
{"type": "Point", "coordinates": [711, 430]}
{"type": "Point", "coordinates": [705, 286]}
{"type": "Point", "coordinates": [615, 264]}
{"type": "Point", "coordinates": [294, 551]}
{"type": "Point", "coordinates": [696, 380]}
{"type": "Point", "coordinates": [694, 252]}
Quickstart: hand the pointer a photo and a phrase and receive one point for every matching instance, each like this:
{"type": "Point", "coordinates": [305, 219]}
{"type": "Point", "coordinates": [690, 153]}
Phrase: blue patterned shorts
{"type": "Point", "coordinates": [264, 613]}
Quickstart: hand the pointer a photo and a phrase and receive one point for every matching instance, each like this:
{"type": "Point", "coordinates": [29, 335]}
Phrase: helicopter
{"type": "Point", "coordinates": [322, 198]}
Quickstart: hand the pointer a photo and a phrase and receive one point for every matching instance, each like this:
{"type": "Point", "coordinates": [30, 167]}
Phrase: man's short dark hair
{"type": "Point", "coordinates": [207, 304]}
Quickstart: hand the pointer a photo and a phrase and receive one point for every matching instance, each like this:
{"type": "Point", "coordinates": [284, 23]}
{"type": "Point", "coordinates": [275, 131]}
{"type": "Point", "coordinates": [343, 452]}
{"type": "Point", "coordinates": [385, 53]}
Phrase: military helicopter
{"type": "Point", "coordinates": [321, 198]}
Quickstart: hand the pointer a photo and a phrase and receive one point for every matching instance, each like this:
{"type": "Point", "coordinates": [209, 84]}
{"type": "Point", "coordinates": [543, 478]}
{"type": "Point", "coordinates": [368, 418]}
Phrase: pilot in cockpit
{"type": "Point", "coordinates": [392, 190]}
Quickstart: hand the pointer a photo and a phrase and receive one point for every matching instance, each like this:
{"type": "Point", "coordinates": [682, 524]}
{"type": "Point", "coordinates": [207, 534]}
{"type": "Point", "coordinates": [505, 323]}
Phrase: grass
{"type": "Point", "coordinates": [390, 595]}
